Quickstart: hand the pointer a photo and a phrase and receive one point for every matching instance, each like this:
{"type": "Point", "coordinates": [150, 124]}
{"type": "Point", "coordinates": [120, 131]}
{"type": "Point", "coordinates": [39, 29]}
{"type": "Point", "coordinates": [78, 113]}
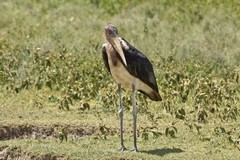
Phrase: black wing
{"type": "Point", "coordinates": [105, 58]}
{"type": "Point", "coordinates": [139, 66]}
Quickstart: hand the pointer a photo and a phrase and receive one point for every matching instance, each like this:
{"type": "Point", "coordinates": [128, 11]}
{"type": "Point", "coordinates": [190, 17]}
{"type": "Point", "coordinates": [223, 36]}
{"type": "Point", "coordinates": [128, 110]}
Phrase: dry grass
{"type": "Point", "coordinates": [54, 83]}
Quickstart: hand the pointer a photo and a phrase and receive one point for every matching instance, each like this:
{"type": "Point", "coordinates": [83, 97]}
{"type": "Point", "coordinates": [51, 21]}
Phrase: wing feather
{"type": "Point", "coordinates": [105, 57]}
{"type": "Point", "coordinates": [139, 65]}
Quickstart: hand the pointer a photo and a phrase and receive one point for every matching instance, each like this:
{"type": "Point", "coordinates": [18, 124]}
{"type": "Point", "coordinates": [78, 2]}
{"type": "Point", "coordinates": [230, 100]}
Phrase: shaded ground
{"type": "Point", "coordinates": [162, 152]}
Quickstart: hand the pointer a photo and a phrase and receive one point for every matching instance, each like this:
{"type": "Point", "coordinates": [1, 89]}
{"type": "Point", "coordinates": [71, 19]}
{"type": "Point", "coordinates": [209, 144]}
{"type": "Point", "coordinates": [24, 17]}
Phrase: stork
{"type": "Point", "coordinates": [129, 68]}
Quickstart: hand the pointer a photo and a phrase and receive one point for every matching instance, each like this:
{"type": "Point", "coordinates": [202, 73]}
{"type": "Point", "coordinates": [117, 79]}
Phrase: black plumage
{"type": "Point", "coordinates": [139, 66]}
{"type": "Point", "coordinates": [105, 58]}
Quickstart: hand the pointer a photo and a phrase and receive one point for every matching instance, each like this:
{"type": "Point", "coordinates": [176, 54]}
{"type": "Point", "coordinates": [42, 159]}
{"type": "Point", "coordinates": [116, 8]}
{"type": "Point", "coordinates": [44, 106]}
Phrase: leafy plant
{"type": "Point", "coordinates": [63, 135]}
{"type": "Point", "coordinates": [171, 131]}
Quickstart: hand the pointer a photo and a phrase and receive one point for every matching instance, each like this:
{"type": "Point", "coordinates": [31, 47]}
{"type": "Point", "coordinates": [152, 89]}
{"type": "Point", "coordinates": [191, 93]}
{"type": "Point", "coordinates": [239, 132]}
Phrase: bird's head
{"type": "Point", "coordinates": [110, 31]}
{"type": "Point", "coordinates": [111, 34]}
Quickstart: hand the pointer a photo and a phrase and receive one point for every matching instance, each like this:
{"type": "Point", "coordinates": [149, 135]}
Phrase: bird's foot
{"type": "Point", "coordinates": [120, 110]}
{"type": "Point", "coordinates": [134, 149]}
{"type": "Point", "coordinates": [122, 148]}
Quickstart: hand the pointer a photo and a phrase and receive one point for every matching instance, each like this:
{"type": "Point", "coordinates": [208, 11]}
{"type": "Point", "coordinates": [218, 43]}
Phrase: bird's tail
{"type": "Point", "coordinates": [155, 96]}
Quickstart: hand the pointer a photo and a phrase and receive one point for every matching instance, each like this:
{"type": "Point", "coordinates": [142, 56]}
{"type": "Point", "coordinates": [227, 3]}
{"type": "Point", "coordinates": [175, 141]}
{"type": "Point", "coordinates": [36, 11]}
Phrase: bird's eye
{"type": "Point", "coordinates": [111, 32]}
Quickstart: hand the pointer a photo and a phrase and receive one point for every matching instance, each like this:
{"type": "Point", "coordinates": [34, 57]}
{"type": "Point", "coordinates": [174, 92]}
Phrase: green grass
{"type": "Point", "coordinates": [52, 76]}
{"type": "Point", "coordinates": [188, 144]}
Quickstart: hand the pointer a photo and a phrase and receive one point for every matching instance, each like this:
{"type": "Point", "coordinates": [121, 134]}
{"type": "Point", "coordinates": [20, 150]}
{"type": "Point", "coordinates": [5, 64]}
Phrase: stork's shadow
{"type": "Point", "coordinates": [164, 151]}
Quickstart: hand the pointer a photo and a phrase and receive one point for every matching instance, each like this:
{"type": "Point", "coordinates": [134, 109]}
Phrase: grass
{"type": "Point", "coordinates": [187, 144]}
{"type": "Point", "coordinates": [52, 76]}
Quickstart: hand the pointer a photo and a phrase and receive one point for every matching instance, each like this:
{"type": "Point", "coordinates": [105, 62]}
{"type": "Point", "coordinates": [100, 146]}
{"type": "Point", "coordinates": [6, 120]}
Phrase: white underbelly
{"type": "Point", "coordinates": [123, 77]}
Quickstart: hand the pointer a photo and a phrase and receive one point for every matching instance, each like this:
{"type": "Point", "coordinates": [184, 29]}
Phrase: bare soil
{"type": "Point", "coordinates": [35, 132]}
{"type": "Point", "coordinates": [7, 153]}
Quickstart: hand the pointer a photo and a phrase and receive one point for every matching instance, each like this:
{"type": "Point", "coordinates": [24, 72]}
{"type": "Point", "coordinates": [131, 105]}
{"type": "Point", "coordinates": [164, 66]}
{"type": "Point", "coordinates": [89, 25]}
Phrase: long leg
{"type": "Point", "coordinates": [122, 147]}
{"type": "Point", "coordinates": [134, 119]}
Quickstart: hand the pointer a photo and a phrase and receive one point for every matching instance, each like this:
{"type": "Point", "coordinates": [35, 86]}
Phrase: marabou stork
{"type": "Point", "coordinates": [130, 68]}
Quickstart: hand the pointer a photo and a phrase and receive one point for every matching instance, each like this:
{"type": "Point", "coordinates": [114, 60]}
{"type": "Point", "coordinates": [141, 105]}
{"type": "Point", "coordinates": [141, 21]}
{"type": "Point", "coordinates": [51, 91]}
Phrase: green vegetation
{"type": "Point", "coordinates": [58, 101]}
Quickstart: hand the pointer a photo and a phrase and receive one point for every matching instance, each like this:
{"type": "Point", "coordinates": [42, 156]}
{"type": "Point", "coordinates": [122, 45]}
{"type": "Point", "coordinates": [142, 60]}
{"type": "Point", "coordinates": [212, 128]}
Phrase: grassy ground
{"type": "Point", "coordinates": [53, 83]}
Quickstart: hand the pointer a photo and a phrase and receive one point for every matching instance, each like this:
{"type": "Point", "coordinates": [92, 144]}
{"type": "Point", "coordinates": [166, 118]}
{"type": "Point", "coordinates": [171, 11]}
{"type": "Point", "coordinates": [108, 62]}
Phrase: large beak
{"type": "Point", "coordinates": [117, 46]}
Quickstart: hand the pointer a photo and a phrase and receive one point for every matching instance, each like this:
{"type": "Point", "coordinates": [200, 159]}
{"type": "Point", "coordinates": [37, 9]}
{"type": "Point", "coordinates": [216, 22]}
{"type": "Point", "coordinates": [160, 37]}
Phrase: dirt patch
{"type": "Point", "coordinates": [8, 132]}
{"type": "Point", "coordinates": [36, 132]}
{"type": "Point", "coordinates": [7, 153]}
